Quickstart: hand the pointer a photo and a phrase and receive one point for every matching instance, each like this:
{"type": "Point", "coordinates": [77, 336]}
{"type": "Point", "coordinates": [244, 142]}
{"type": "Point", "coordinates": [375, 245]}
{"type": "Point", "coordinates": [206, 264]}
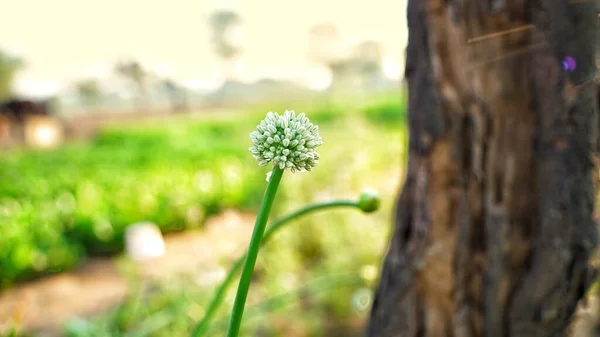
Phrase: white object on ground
{"type": "Point", "coordinates": [144, 241]}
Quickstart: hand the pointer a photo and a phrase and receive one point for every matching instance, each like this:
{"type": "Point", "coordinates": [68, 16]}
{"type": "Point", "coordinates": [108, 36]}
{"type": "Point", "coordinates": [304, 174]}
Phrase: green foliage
{"type": "Point", "coordinates": [58, 206]}
{"type": "Point", "coordinates": [62, 204]}
{"type": "Point", "coordinates": [387, 110]}
{"type": "Point", "coordinates": [325, 115]}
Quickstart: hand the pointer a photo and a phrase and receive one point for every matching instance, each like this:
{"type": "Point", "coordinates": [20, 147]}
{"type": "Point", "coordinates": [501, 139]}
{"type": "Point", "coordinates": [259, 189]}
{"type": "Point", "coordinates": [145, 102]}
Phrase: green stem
{"type": "Point", "coordinates": [259, 227]}
{"type": "Point", "coordinates": [203, 326]}
{"type": "Point", "coordinates": [313, 288]}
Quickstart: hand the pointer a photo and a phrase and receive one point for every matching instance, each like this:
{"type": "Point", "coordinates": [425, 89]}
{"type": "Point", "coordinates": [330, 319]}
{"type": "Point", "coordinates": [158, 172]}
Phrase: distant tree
{"type": "Point", "coordinates": [324, 44]}
{"type": "Point", "coordinates": [362, 66]}
{"type": "Point", "coordinates": [89, 92]}
{"type": "Point", "coordinates": [325, 48]}
{"type": "Point", "coordinates": [176, 93]}
{"type": "Point", "coordinates": [367, 57]}
{"type": "Point", "coordinates": [222, 23]}
{"type": "Point", "coordinates": [9, 66]}
{"type": "Point", "coordinates": [133, 71]}
{"type": "Point", "coordinates": [346, 74]}
{"type": "Point", "coordinates": [341, 69]}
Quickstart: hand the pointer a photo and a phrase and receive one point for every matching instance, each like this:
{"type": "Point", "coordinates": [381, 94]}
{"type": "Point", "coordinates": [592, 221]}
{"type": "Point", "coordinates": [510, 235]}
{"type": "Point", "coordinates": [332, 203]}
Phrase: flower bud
{"type": "Point", "coordinates": [369, 201]}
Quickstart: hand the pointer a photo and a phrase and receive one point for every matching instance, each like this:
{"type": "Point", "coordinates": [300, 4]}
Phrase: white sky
{"type": "Point", "coordinates": [62, 40]}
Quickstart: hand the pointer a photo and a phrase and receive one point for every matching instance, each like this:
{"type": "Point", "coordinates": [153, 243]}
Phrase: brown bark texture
{"type": "Point", "coordinates": [495, 223]}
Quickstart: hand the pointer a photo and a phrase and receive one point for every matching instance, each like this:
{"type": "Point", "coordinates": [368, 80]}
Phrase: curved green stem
{"type": "Point", "coordinates": [302, 211]}
{"type": "Point", "coordinates": [203, 325]}
{"type": "Point", "coordinates": [259, 227]}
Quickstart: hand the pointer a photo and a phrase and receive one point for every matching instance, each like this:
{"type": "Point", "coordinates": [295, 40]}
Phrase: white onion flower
{"type": "Point", "coordinates": [287, 141]}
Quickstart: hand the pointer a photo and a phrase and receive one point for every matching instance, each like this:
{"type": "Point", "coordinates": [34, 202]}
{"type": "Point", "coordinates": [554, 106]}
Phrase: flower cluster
{"type": "Point", "coordinates": [288, 141]}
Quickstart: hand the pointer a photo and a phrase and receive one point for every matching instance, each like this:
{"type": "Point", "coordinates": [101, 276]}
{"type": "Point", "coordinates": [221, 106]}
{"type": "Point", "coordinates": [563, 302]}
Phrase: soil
{"type": "Point", "coordinates": [86, 126]}
{"type": "Point", "coordinates": [45, 305]}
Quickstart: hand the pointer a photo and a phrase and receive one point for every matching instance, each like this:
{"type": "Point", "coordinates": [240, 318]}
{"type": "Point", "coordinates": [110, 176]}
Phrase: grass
{"type": "Point", "coordinates": [62, 205]}
{"type": "Point", "coordinates": [57, 207]}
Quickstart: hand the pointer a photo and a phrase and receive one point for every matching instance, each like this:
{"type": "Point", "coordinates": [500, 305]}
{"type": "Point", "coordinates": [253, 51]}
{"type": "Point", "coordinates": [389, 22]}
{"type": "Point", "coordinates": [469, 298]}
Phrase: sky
{"type": "Point", "coordinates": [65, 40]}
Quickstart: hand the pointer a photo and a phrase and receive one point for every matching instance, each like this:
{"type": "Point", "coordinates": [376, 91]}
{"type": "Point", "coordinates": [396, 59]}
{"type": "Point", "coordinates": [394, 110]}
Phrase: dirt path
{"type": "Point", "coordinates": [86, 126]}
{"type": "Point", "coordinates": [44, 306]}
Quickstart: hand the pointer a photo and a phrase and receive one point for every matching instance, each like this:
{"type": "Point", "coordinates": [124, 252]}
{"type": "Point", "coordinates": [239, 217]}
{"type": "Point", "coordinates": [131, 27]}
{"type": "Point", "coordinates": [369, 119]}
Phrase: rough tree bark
{"type": "Point", "coordinates": [496, 219]}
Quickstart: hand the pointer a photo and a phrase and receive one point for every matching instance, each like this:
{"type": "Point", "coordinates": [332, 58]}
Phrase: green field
{"type": "Point", "coordinates": [59, 206]}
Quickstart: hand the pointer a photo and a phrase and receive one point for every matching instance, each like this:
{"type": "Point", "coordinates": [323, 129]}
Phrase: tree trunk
{"type": "Point", "coordinates": [496, 220]}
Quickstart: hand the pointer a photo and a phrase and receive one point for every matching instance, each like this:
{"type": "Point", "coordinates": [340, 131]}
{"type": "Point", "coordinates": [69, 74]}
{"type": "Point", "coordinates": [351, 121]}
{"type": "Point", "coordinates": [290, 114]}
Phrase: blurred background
{"type": "Point", "coordinates": [126, 185]}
